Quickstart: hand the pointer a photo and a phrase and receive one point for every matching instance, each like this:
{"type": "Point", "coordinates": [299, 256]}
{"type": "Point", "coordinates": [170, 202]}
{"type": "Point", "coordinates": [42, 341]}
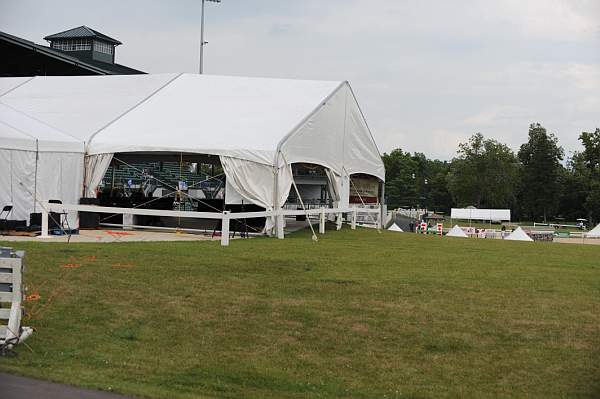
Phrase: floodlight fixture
{"type": "Point", "coordinates": [202, 42]}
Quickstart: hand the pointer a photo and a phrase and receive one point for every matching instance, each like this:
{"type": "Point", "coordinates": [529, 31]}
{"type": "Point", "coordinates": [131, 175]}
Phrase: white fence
{"type": "Point", "coordinates": [224, 216]}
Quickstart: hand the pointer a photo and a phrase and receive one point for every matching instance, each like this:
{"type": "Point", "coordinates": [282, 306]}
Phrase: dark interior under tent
{"type": "Point", "coordinates": [188, 182]}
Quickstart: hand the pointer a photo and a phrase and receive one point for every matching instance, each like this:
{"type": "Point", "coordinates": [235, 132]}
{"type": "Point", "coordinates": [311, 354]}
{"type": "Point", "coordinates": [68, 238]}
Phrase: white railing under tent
{"type": "Point", "coordinates": [357, 214]}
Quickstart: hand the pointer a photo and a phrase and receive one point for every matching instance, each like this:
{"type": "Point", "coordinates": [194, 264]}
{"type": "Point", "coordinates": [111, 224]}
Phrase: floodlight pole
{"type": "Point", "coordinates": [202, 42]}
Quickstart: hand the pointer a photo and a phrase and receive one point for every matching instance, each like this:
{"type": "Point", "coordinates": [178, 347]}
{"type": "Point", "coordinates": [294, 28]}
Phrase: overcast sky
{"type": "Point", "coordinates": [427, 73]}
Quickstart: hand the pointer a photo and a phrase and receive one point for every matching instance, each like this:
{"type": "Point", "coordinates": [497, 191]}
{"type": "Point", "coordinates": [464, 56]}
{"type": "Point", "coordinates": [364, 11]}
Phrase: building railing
{"type": "Point", "coordinates": [224, 216]}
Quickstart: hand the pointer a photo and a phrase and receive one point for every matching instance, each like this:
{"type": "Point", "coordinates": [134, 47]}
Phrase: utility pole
{"type": "Point", "coordinates": [202, 42]}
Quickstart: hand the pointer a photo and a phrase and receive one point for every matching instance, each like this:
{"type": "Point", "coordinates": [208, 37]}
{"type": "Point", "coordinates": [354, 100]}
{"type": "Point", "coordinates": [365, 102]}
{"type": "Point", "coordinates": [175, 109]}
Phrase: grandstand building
{"type": "Point", "coordinates": [77, 51]}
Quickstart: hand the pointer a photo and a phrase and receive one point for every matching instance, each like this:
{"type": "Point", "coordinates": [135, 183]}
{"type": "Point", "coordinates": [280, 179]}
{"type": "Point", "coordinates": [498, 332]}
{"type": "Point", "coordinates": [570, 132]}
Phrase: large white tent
{"type": "Point", "coordinates": [395, 227]}
{"type": "Point", "coordinates": [58, 135]}
{"type": "Point", "coordinates": [518, 235]}
{"type": "Point", "coordinates": [456, 231]}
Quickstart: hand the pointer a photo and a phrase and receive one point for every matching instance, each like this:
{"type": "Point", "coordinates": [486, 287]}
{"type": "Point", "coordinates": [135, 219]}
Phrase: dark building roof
{"type": "Point", "coordinates": [22, 57]}
{"type": "Point", "coordinates": [82, 32]}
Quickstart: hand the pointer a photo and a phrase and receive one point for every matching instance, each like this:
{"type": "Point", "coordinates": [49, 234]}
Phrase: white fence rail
{"type": "Point", "coordinates": [224, 216]}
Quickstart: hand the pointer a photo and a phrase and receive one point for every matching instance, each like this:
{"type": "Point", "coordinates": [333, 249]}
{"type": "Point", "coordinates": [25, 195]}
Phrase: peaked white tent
{"type": "Point", "coordinates": [594, 233]}
{"type": "Point", "coordinates": [456, 232]}
{"type": "Point", "coordinates": [518, 235]}
{"type": "Point", "coordinates": [395, 227]}
{"type": "Point", "coordinates": [58, 135]}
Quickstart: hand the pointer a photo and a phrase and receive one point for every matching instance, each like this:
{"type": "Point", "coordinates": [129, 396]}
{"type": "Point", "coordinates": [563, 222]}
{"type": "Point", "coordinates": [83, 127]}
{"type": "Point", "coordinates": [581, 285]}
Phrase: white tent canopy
{"type": "Point", "coordinates": [395, 227]}
{"type": "Point", "coordinates": [518, 235]}
{"type": "Point", "coordinates": [257, 126]}
{"type": "Point", "coordinates": [594, 233]}
{"type": "Point", "coordinates": [456, 232]}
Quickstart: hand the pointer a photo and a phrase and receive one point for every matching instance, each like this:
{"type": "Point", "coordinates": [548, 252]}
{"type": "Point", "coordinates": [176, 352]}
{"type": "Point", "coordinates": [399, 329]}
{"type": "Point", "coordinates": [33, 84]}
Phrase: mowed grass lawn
{"type": "Point", "coordinates": [360, 314]}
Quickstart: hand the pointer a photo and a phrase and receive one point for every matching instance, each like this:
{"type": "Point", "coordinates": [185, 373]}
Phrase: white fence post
{"type": "Point", "coordinates": [225, 229]}
{"type": "Point", "coordinates": [44, 221]}
{"type": "Point", "coordinates": [339, 221]}
{"type": "Point", "coordinates": [322, 221]}
{"type": "Point", "coordinates": [280, 221]}
{"type": "Point", "coordinates": [354, 214]}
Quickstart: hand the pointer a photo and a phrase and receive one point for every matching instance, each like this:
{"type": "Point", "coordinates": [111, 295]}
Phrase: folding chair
{"type": "Point", "coordinates": [63, 221]}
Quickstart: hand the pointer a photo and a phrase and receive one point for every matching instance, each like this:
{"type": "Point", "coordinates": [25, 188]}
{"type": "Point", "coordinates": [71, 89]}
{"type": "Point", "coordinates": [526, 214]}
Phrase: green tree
{"type": "Point", "coordinates": [399, 186]}
{"type": "Point", "coordinates": [416, 181]}
{"type": "Point", "coordinates": [540, 173]}
{"type": "Point", "coordinates": [484, 174]}
{"type": "Point", "coordinates": [575, 187]}
{"type": "Point", "coordinates": [590, 157]}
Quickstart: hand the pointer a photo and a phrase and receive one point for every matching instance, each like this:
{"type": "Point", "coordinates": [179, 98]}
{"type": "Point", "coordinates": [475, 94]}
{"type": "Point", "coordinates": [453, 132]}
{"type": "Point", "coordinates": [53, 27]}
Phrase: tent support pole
{"type": "Point", "coordinates": [35, 177]}
{"type": "Point", "coordinates": [276, 208]}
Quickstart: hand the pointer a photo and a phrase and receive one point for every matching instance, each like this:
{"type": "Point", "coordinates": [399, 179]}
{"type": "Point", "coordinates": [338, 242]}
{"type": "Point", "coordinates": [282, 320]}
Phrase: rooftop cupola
{"type": "Point", "coordinates": [85, 43]}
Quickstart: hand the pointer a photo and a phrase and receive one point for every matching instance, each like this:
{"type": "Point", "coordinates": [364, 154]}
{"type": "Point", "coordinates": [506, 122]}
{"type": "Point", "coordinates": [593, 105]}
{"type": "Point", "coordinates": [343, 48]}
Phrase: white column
{"type": "Point", "coordinates": [354, 214]}
{"type": "Point", "coordinates": [322, 221]}
{"type": "Point", "coordinates": [339, 221]}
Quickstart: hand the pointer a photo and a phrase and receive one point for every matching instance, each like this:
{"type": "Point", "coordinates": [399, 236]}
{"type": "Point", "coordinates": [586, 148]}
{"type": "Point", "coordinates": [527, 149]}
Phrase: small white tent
{"type": "Point", "coordinates": [518, 235]}
{"type": "Point", "coordinates": [456, 232]}
{"type": "Point", "coordinates": [59, 134]}
{"type": "Point", "coordinates": [594, 233]}
{"type": "Point", "coordinates": [395, 227]}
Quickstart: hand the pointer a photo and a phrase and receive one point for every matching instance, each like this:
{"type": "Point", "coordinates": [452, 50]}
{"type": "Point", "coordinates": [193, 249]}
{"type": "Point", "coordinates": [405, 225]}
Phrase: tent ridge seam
{"type": "Point", "coordinates": [17, 86]}
{"type": "Point", "coordinates": [364, 118]}
{"type": "Point", "coordinates": [39, 120]}
{"type": "Point", "coordinates": [149, 96]}
{"type": "Point", "coordinates": [306, 118]}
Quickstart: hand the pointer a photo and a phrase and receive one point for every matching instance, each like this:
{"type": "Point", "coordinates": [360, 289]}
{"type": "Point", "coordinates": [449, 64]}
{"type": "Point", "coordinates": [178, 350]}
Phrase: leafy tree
{"type": "Point", "coordinates": [416, 181]}
{"type": "Point", "coordinates": [541, 169]}
{"type": "Point", "coordinates": [484, 174]}
{"type": "Point", "coordinates": [399, 187]}
{"type": "Point", "coordinates": [575, 186]}
{"type": "Point", "coordinates": [590, 157]}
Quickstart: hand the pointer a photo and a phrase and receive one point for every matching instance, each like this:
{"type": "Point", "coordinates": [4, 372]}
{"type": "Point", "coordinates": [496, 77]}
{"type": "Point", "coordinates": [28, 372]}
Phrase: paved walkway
{"type": "Point", "coordinates": [14, 387]}
{"type": "Point", "coordinates": [103, 236]}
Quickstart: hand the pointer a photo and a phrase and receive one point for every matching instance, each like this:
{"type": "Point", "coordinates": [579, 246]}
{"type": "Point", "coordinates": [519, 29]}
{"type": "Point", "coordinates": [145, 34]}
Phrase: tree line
{"type": "Point", "coordinates": [537, 183]}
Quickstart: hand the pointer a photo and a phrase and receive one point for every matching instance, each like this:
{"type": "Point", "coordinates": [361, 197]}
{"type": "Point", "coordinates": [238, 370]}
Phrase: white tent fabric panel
{"type": "Point", "coordinates": [60, 177]}
{"type": "Point", "coordinates": [594, 233]}
{"type": "Point", "coordinates": [214, 114]}
{"type": "Point", "coordinates": [360, 151]}
{"type": "Point", "coordinates": [82, 105]}
{"type": "Point", "coordinates": [19, 131]}
{"type": "Point", "coordinates": [95, 168]}
{"type": "Point", "coordinates": [325, 127]}
{"type": "Point", "coordinates": [8, 84]}
{"type": "Point", "coordinates": [6, 196]}
{"type": "Point", "coordinates": [232, 197]}
{"type": "Point", "coordinates": [25, 186]}
{"type": "Point", "coordinates": [18, 182]}
{"type": "Point", "coordinates": [518, 235]}
{"type": "Point", "coordinates": [255, 182]}
{"type": "Point", "coordinates": [343, 137]}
